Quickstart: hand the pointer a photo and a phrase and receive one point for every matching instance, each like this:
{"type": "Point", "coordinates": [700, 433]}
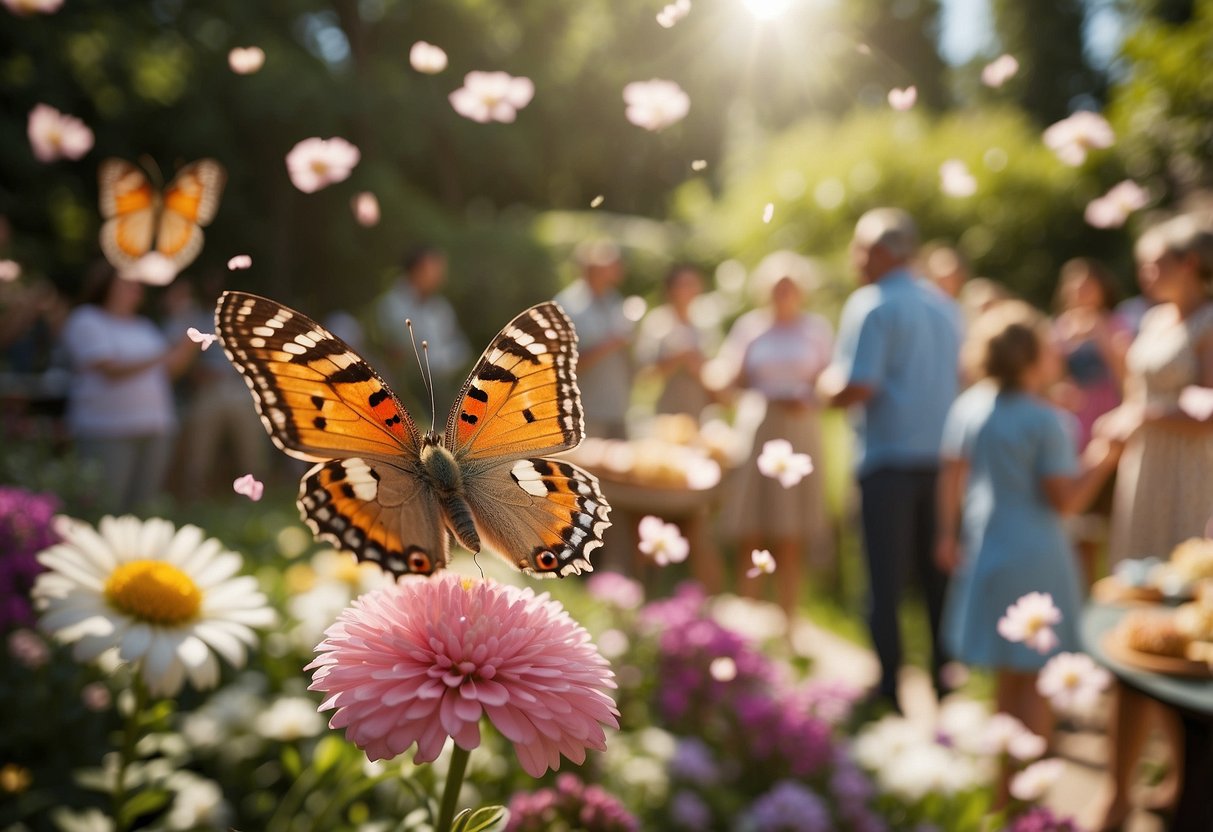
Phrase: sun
{"type": "Point", "coordinates": [767, 9]}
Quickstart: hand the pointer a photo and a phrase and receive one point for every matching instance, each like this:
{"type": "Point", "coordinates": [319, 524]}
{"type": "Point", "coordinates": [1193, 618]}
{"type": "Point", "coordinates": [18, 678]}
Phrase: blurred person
{"type": "Point", "coordinates": [1132, 310]}
{"type": "Point", "coordinates": [604, 335]}
{"type": "Point", "coordinates": [979, 294]}
{"type": "Point", "coordinates": [1009, 474]}
{"type": "Point", "coordinates": [785, 350]}
{"type": "Point", "coordinates": [674, 345]}
{"type": "Point", "coordinates": [896, 364]}
{"type": "Point", "coordinates": [214, 402]}
{"type": "Point", "coordinates": [415, 296]}
{"type": "Point", "coordinates": [120, 404]}
{"type": "Point", "coordinates": [1163, 488]}
{"type": "Point", "coordinates": [946, 269]}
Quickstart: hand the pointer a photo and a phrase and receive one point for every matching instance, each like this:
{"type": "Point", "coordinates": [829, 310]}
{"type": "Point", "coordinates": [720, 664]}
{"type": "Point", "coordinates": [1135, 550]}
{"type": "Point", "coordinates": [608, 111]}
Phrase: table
{"type": "Point", "coordinates": [1191, 699]}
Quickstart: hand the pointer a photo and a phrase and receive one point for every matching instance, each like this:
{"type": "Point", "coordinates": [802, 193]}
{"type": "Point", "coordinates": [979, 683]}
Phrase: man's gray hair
{"type": "Point", "coordinates": [889, 228]}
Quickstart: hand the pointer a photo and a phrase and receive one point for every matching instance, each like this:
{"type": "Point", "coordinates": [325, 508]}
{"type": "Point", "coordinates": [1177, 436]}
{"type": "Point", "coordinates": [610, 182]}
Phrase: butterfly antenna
{"type": "Point", "coordinates": [152, 169]}
{"type": "Point", "coordinates": [424, 367]}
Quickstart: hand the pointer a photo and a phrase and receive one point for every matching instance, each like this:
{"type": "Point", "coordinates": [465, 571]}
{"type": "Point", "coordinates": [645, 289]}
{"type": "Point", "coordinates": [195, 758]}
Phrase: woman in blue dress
{"type": "Point", "coordinates": [1009, 469]}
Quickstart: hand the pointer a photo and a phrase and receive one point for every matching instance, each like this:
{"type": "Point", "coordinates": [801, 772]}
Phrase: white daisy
{"type": "Point", "coordinates": [163, 598]}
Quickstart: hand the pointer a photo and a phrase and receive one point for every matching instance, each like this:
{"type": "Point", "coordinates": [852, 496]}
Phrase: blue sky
{"type": "Point", "coordinates": [968, 30]}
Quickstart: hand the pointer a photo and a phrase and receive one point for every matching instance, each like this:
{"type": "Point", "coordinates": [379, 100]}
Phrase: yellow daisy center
{"type": "Point", "coordinates": [154, 591]}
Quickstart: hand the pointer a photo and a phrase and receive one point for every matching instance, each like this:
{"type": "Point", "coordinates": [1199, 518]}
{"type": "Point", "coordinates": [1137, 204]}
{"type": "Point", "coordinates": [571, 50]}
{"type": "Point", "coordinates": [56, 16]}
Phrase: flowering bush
{"type": "Point", "coordinates": [25, 530]}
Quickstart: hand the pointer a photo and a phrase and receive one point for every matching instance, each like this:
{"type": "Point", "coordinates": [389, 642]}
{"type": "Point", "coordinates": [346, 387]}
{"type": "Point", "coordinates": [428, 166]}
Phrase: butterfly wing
{"type": "Point", "coordinates": [190, 202]}
{"type": "Point", "coordinates": [376, 510]}
{"type": "Point", "coordinates": [321, 402]}
{"type": "Point", "coordinates": [128, 205]}
{"type": "Point", "coordinates": [543, 516]}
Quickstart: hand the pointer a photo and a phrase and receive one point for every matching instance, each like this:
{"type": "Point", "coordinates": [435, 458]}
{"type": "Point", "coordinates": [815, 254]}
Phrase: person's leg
{"type": "Point", "coordinates": [932, 581]}
{"type": "Point", "coordinates": [201, 432]}
{"type": "Point", "coordinates": [886, 511]}
{"type": "Point", "coordinates": [151, 455]}
{"type": "Point", "coordinates": [112, 461]}
{"type": "Point", "coordinates": [1127, 732]}
{"type": "Point", "coordinates": [1017, 695]}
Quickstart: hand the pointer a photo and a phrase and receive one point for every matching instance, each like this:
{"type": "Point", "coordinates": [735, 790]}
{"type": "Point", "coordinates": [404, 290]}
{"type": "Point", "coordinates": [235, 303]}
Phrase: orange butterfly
{"type": "Point", "coordinates": [394, 496]}
{"type": "Point", "coordinates": [139, 219]}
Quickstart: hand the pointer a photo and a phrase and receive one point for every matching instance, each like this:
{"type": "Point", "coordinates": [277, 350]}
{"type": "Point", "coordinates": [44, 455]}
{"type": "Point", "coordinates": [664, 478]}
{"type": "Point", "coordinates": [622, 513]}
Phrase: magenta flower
{"type": "Point", "coordinates": [422, 660]}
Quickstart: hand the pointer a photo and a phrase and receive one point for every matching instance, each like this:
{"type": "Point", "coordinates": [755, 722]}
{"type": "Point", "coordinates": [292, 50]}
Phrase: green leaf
{"type": "Point", "coordinates": [143, 803]}
{"type": "Point", "coordinates": [481, 820]}
{"type": "Point", "coordinates": [292, 764]}
{"type": "Point", "coordinates": [328, 753]}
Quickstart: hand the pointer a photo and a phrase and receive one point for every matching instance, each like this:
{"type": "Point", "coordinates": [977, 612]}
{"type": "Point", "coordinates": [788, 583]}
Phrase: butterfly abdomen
{"type": "Point", "coordinates": [446, 478]}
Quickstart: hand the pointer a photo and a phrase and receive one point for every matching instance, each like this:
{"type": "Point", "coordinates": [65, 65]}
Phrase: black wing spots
{"type": "Point", "coordinates": [337, 472]}
{"type": "Point", "coordinates": [320, 422]}
{"type": "Point", "coordinates": [542, 466]}
{"type": "Point", "coordinates": [378, 397]}
{"type": "Point", "coordinates": [353, 374]}
{"type": "Point", "coordinates": [347, 490]}
{"type": "Point", "coordinates": [318, 401]}
{"type": "Point", "coordinates": [479, 395]}
{"type": "Point", "coordinates": [491, 372]}
{"type": "Point", "coordinates": [324, 348]}
{"type": "Point", "coordinates": [393, 420]}
{"type": "Point", "coordinates": [470, 418]}
{"type": "Point", "coordinates": [528, 415]}
{"type": "Point", "coordinates": [509, 346]}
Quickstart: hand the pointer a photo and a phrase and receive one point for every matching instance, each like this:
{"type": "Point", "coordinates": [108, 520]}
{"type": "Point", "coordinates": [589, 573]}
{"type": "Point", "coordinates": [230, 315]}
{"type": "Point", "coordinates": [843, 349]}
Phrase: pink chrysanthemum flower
{"type": "Point", "coordinates": [422, 660]}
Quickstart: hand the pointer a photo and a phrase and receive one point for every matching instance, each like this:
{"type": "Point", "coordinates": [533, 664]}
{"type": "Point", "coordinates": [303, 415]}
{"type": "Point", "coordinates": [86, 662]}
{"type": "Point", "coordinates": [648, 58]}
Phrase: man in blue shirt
{"type": "Point", "coordinates": [896, 365]}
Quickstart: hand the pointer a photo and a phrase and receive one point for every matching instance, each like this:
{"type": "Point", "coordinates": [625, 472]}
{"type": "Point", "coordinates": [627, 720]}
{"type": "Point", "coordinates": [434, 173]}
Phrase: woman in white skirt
{"type": "Point", "coordinates": [784, 348]}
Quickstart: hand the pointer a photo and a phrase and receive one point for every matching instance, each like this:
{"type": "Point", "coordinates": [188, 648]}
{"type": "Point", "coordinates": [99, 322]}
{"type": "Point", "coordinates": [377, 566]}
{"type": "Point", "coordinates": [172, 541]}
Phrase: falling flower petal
{"type": "Point", "coordinates": [1031, 784]}
{"type": "Point", "coordinates": [317, 163]}
{"type": "Point", "coordinates": [427, 58]}
{"type": "Point", "coordinates": [53, 135]}
{"type": "Point", "coordinates": [492, 96]}
{"type": "Point", "coordinates": [249, 486]}
{"type": "Point", "coordinates": [10, 270]}
{"type": "Point", "coordinates": [655, 104]}
{"type": "Point", "coordinates": [764, 563]}
{"type": "Point", "coordinates": [1113, 208]}
{"type": "Point", "coordinates": [768, 211]}
{"type": "Point", "coordinates": [245, 60]}
{"type": "Point", "coordinates": [699, 164]}
{"type": "Point", "coordinates": [365, 206]}
{"type": "Point", "coordinates": [1197, 402]}
{"type": "Point", "coordinates": [153, 268]}
{"type": "Point", "coordinates": [903, 99]}
{"type": "Point", "coordinates": [955, 179]}
{"type": "Point", "coordinates": [24, 7]}
{"type": "Point", "coordinates": [662, 541]}
{"type": "Point", "coordinates": [779, 461]}
{"type": "Point", "coordinates": [203, 338]}
{"type": "Point", "coordinates": [240, 261]}
{"type": "Point", "coordinates": [596, 201]}
{"type": "Point", "coordinates": [999, 71]}
{"type": "Point", "coordinates": [1072, 138]}
{"type": "Point", "coordinates": [673, 13]}
{"type": "Point", "coordinates": [1030, 620]}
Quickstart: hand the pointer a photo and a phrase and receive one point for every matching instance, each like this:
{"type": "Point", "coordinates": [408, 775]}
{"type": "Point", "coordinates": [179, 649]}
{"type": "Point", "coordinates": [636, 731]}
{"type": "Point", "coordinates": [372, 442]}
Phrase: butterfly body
{"type": "Point", "coordinates": [394, 496]}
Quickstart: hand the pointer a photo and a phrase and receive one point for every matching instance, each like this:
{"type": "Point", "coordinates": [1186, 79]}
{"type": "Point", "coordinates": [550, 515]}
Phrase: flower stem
{"type": "Point", "coordinates": [126, 755]}
{"type": "Point", "coordinates": [450, 793]}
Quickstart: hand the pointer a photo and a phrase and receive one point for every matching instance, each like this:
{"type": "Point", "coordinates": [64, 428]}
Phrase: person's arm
{"type": "Point", "coordinates": [598, 352]}
{"type": "Point", "coordinates": [949, 494]}
{"type": "Point", "coordinates": [1072, 494]}
{"type": "Point", "coordinates": [835, 391]}
{"type": "Point", "coordinates": [859, 362]}
{"type": "Point", "coordinates": [1184, 420]}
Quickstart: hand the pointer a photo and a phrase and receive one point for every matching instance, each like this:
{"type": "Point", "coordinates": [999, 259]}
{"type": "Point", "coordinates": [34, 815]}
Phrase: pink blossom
{"type": "Point", "coordinates": [955, 179]}
{"type": "Point", "coordinates": [10, 270]}
{"type": "Point", "coordinates": [1071, 138]}
{"type": "Point", "coordinates": [53, 135]}
{"type": "Point", "coordinates": [1113, 208]}
{"type": "Point", "coordinates": [655, 104]}
{"type": "Point", "coordinates": [422, 660]}
{"type": "Point", "coordinates": [764, 563]}
{"type": "Point", "coordinates": [240, 261]}
{"type": "Point", "coordinates": [1004, 734]}
{"type": "Point", "coordinates": [365, 206]}
{"type": "Point", "coordinates": [317, 163]}
{"type": "Point", "coordinates": [672, 13]}
{"type": "Point", "coordinates": [1072, 682]}
{"type": "Point", "coordinates": [28, 648]}
{"type": "Point", "coordinates": [1031, 784]}
{"type": "Point", "coordinates": [1196, 402]}
{"type": "Point", "coordinates": [1030, 620]}
{"type": "Point", "coordinates": [1000, 70]}
{"type": "Point", "coordinates": [24, 7]}
{"type": "Point", "coordinates": [662, 541]}
{"type": "Point", "coordinates": [427, 58]}
{"type": "Point", "coordinates": [903, 99]}
{"type": "Point", "coordinates": [245, 60]}
{"type": "Point", "coordinates": [779, 461]}
{"type": "Point", "coordinates": [492, 96]}
{"type": "Point", "coordinates": [96, 697]}
{"type": "Point", "coordinates": [203, 338]}
{"type": "Point", "coordinates": [153, 268]}
{"type": "Point", "coordinates": [249, 486]}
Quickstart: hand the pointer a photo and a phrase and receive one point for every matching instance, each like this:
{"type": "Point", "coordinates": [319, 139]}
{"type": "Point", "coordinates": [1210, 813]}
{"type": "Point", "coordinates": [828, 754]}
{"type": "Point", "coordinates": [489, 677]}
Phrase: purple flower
{"type": "Point", "coordinates": [613, 588]}
{"type": "Point", "coordinates": [1040, 819]}
{"type": "Point", "coordinates": [25, 530]}
{"type": "Point", "coordinates": [690, 812]}
{"type": "Point", "coordinates": [694, 763]}
{"type": "Point", "coordinates": [789, 807]}
{"type": "Point", "coordinates": [829, 699]}
{"type": "Point", "coordinates": [570, 803]}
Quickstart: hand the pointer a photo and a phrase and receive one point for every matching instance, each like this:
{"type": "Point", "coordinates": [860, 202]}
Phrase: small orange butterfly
{"type": "Point", "coordinates": [139, 218]}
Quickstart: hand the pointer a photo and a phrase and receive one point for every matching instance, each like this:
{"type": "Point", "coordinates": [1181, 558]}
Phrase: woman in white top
{"type": "Point", "coordinates": [670, 342]}
{"type": "Point", "coordinates": [786, 348]}
{"type": "Point", "coordinates": [120, 404]}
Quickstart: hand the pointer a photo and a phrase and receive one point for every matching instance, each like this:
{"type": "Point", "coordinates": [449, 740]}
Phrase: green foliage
{"type": "Point", "coordinates": [1023, 222]}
